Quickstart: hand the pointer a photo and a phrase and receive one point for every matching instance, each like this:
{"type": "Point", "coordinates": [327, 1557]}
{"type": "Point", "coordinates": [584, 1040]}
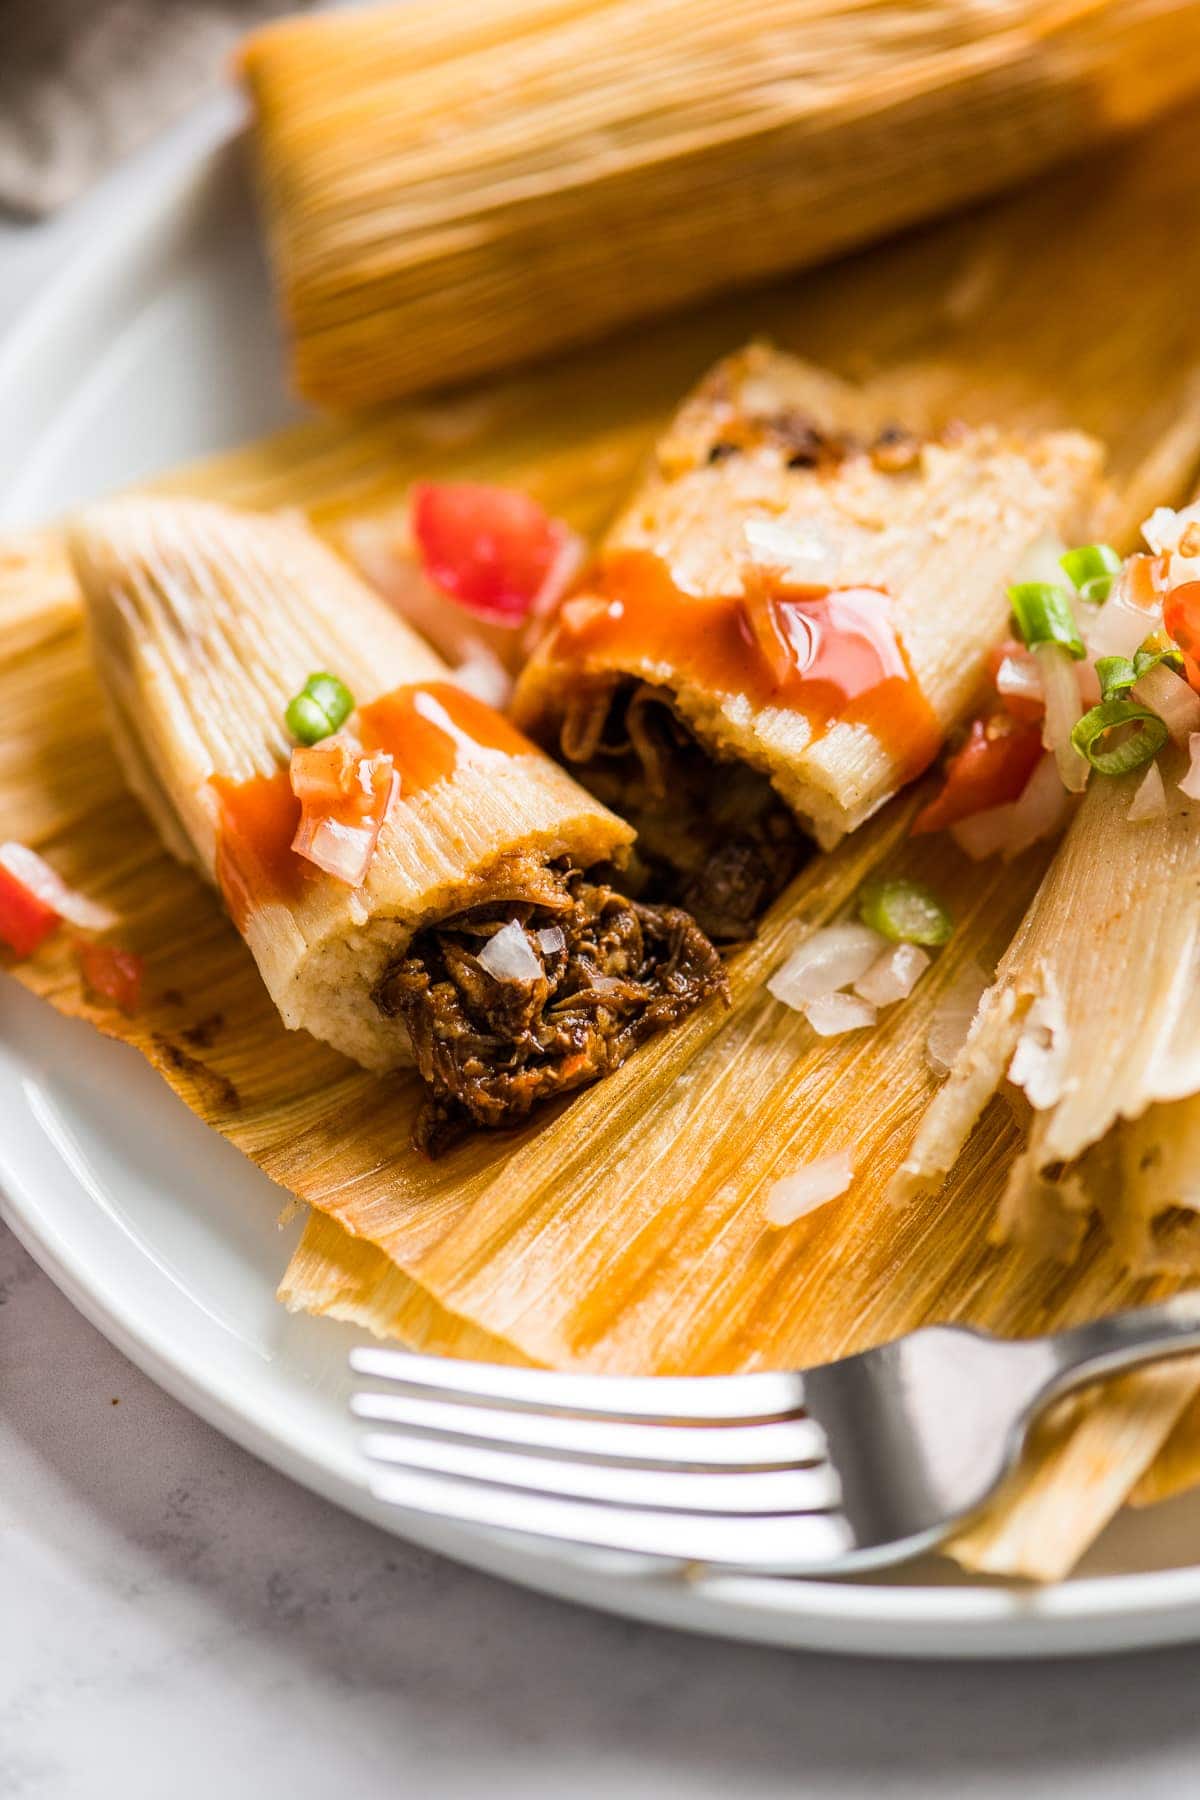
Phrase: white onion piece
{"type": "Point", "coordinates": [815, 1185]}
{"type": "Point", "coordinates": [1040, 561]}
{"type": "Point", "coordinates": [953, 1018]}
{"type": "Point", "coordinates": [1040, 812]}
{"type": "Point", "coordinates": [1190, 784]}
{"type": "Point", "coordinates": [802, 554]}
{"type": "Point", "coordinates": [830, 959]}
{"type": "Point", "coordinates": [551, 939]}
{"type": "Point", "coordinates": [1150, 801]}
{"type": "Point", "coordinates": [1019, 676]}
{"type": "Point", "coordinates": [1064, 709]}
{"type": "Point", "coordinates": [508, 956]}
{"type": "Point", "coordinates": [833, 1014]}
{"type": "Point", "coordinates": [47, 885]}
{"type": "Point", "coordinates": [1166, 526]}
{"type": "Point", "coordinates": [894, 975]}
{"type": "Point", "coordinates": [482, 674]}
{"type": "Point", "coordinates": [1170, 696]}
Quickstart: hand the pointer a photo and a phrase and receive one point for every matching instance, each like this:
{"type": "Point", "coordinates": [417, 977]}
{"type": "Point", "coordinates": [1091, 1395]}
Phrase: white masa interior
{"type": "Point", "coordinates": [153, 346]}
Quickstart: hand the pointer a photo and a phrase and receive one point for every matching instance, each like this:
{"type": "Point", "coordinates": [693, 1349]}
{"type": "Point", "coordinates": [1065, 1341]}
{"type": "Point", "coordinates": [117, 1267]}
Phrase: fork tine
{"type": "Point", "coordinates": [782, 1544]}
{"type": "Point", "coordinates": [779, 1441]}
{"type": "Point", "coordinates": [711, 1397]}
{"type": "Point", "coordinates": [684, 1490]}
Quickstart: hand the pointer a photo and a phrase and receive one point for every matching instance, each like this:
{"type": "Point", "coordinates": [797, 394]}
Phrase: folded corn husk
{"type": "Point", "coordinates": [204, 622]}
{"type": "Point", "coordinates": [1093, 1015]}
{"type": "Point", "coordinates": [986, 342]}
{"type": "Point", "coordinates": [941, 535]}
{"type": "Point", "coordinates": [445, 203]}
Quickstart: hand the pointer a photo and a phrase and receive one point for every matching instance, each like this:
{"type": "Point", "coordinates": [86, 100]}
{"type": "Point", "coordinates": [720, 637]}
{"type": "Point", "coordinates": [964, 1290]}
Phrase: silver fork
{"type": "Point", "coordinates": [847, 1466]}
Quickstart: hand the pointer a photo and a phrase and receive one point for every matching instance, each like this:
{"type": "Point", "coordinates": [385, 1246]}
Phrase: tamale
{"type": "Point", "coordinates": [786, 618]}
{"type": "Point", "coordinates": [444, 203]}
{"type": "Point", "coordinates": [204, 623]}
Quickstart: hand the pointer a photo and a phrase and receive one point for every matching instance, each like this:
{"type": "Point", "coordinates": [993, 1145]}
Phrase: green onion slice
{"type": "Point", "coordinates": [1043, 615]}
{"type": "Point", "coordinates": [906, 912]}
{"type": "Point", "coordinates": [323, 704]}
{"type": "Point", "coordinates": [1157, 648]}
{"type": "Point", "coordinates": [1116, 675]}
{"type": "Point", "coordinates": [1091, 570]}
{"type": "Point", "coordinates": [1091, 736]}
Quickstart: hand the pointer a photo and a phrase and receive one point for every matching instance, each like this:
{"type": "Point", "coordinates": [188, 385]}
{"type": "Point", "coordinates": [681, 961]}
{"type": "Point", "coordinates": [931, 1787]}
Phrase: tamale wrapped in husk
{"type": "Point", "coordinates": [446, 202]}
{"type": "Point", "coordinates": [1093, 1015]}
{"type": "Point", "coordinates": [774, 484]}
{"type": "Point", "coordinates": [602, 1257]}
{"type": "Point", "coordinates": [204, 623]}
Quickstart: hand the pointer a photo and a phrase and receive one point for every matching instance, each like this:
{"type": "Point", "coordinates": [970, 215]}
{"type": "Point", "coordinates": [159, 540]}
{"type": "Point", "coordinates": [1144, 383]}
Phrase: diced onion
{"type": "Point", "coordinates": [1169, 695]}
{"type": "Point", "coordinates": [47, 885]}
{"type": "Point", "coordinates": [1190, 784]}
{"type": "Point", "coordinates": [1150, 801]}
{"type": "Point", "coordinates": [953, 1018]}
{"type": "Point", "coordinates": [1019, 678]}
{"type": "Point", "coordinates": [815, 1185]}
{"type": "Point", "coordinates": [508, 956]}
{"type": "Point", "coordinates": [551, 939]}
{"type": "Point", "coordinates": [833, 1014]}
{"type": "Point", "coordinates": [1060, 687]}
{"type": "Point", "coordinates": [830, 959]}
{"type": "Point", "coordinates": [1132, 611]}
{"type": "Point", "coordinates": [1040, 812]}
{"type": "Point", "coordinates": [340, 825]}
{"type": "Point", "coordinates": [798, 554]}
{"type": "Point", "coordinates": [894, 975]}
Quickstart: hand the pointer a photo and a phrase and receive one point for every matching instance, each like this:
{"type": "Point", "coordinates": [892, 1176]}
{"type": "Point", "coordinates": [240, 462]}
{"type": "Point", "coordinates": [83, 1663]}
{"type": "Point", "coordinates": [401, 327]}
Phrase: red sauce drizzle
{"type": "Point", "coordinates": [429, 729]}
{"type": "Point", "coordinates": [831, 654]}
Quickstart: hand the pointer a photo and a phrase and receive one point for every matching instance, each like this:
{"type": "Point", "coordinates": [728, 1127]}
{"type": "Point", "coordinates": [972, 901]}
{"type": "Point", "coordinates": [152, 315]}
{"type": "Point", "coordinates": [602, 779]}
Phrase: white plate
{"type": "Point", "coordinates": [155, 347]}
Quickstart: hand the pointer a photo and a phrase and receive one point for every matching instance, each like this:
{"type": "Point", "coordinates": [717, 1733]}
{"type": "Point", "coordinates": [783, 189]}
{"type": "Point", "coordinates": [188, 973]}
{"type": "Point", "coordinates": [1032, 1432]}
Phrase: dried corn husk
{"type": "Point", "coordinates": [955, 331]}
{"type": "Point", "coordinates": [940, 535]}
{"type": "Point", "coordinates": [204, 621]}
{"type": "Point", "coordinates": [446, 203]}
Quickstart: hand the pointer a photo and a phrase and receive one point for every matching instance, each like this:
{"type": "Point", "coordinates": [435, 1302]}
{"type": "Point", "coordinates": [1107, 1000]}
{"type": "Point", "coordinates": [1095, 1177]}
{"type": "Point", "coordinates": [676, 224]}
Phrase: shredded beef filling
{"type": "Point", "coordinates": [490, 1050]}
{"type": "Point", "coordinates": [713, 837]}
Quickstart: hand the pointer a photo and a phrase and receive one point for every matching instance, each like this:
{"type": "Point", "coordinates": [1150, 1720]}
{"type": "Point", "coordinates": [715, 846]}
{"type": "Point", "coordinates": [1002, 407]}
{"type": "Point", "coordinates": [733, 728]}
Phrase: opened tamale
{"type": "Point", "coordinates": [205, 623]}
{"type": "Point", "coordinates": [446, 202]}
{"type": "Point", "coordinates": [806, 592]}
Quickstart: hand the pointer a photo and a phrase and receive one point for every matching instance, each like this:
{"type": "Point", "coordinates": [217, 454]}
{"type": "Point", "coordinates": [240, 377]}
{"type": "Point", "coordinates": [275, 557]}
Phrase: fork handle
{"type": "Point", "coordinates": [1123, 1341]}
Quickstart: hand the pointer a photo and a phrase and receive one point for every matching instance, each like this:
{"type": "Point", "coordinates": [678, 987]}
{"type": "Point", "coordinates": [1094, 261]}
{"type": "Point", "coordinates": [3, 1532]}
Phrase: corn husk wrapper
{"type": "Point", "coordinates": [449, 203]}
{"type": "Point", "coordinates": [671, 1277]}
{"type": "Point", "coordinates": [203, 622]}
{"type": "Point", "coordinates": [941, 537]}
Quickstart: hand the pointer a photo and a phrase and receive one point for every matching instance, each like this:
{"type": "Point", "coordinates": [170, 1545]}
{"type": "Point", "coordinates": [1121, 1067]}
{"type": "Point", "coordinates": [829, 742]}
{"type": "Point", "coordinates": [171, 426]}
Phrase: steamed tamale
{"type": "Point", "coordinates": [205, 623]}
{"type": "Point", "coordinates": [784, 621]}
{"type": "Point", "coordinates": [1092, 1023]}
{"type": "Point", "coordinates": [445, 202]}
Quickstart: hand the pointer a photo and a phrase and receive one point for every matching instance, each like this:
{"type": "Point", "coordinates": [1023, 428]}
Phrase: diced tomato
{"type": "Point", "coordinates": [991, 769]}
{"type": "Point", "coordinates": [1181, 619]}
{"type": "Point", "coordinates": [493, 549]}
{"type": "Point", "coordinates": [111, 974]}
{"type": "Point", "coordinates": [25, 919]}
{"type": "Point", "coordinates": [345, 799]}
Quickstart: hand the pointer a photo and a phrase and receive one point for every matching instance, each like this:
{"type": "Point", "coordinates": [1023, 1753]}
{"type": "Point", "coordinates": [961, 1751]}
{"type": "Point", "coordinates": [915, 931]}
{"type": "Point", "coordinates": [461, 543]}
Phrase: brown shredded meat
{"type": "Point", "coordinates": [490, 1050]}
{"type": "Point", "coordinates": [713, 837]}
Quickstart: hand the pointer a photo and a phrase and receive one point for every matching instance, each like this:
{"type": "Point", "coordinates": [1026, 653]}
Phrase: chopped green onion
{"type": "Point", "coordinates": [323, 704]}
{"type": "Point", "coordinates": [1141, 746]}
{"type": "Point", "coordinates": [1091, 570]}
{"type": "Point", "coordinates": [1043, 614]}
{"type": "Point", "coordinates": [1155, 649]}
{"type": "Point", "coordinates": [1116, 675]}
{"type": "Point", "coordinates": [906, 912]}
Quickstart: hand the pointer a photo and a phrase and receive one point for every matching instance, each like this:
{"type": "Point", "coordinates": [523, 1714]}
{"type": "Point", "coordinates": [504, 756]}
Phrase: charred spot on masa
{"type": "Point", "coordinates": [895, 450]}
{"type": "Point", "coordinates": [203, 1034]}
{"type": "Point", "coordinates": [171, 997]}
{"type": "Point", "coordinates": [217, 1088]}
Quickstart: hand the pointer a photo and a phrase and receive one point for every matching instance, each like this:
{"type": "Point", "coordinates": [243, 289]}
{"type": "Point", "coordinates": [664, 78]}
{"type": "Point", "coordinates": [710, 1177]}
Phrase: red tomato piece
{"type": "Point", "coordinates": [1181, 619]}
{"type": "Point", "coordinates": [991, 769]}
{"type": "Point", "coordinates": [111, 974]}
{"type": "Point", "coordinates": [25, 919]}
{"type": "Point", "coordinates": [492, 549]}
